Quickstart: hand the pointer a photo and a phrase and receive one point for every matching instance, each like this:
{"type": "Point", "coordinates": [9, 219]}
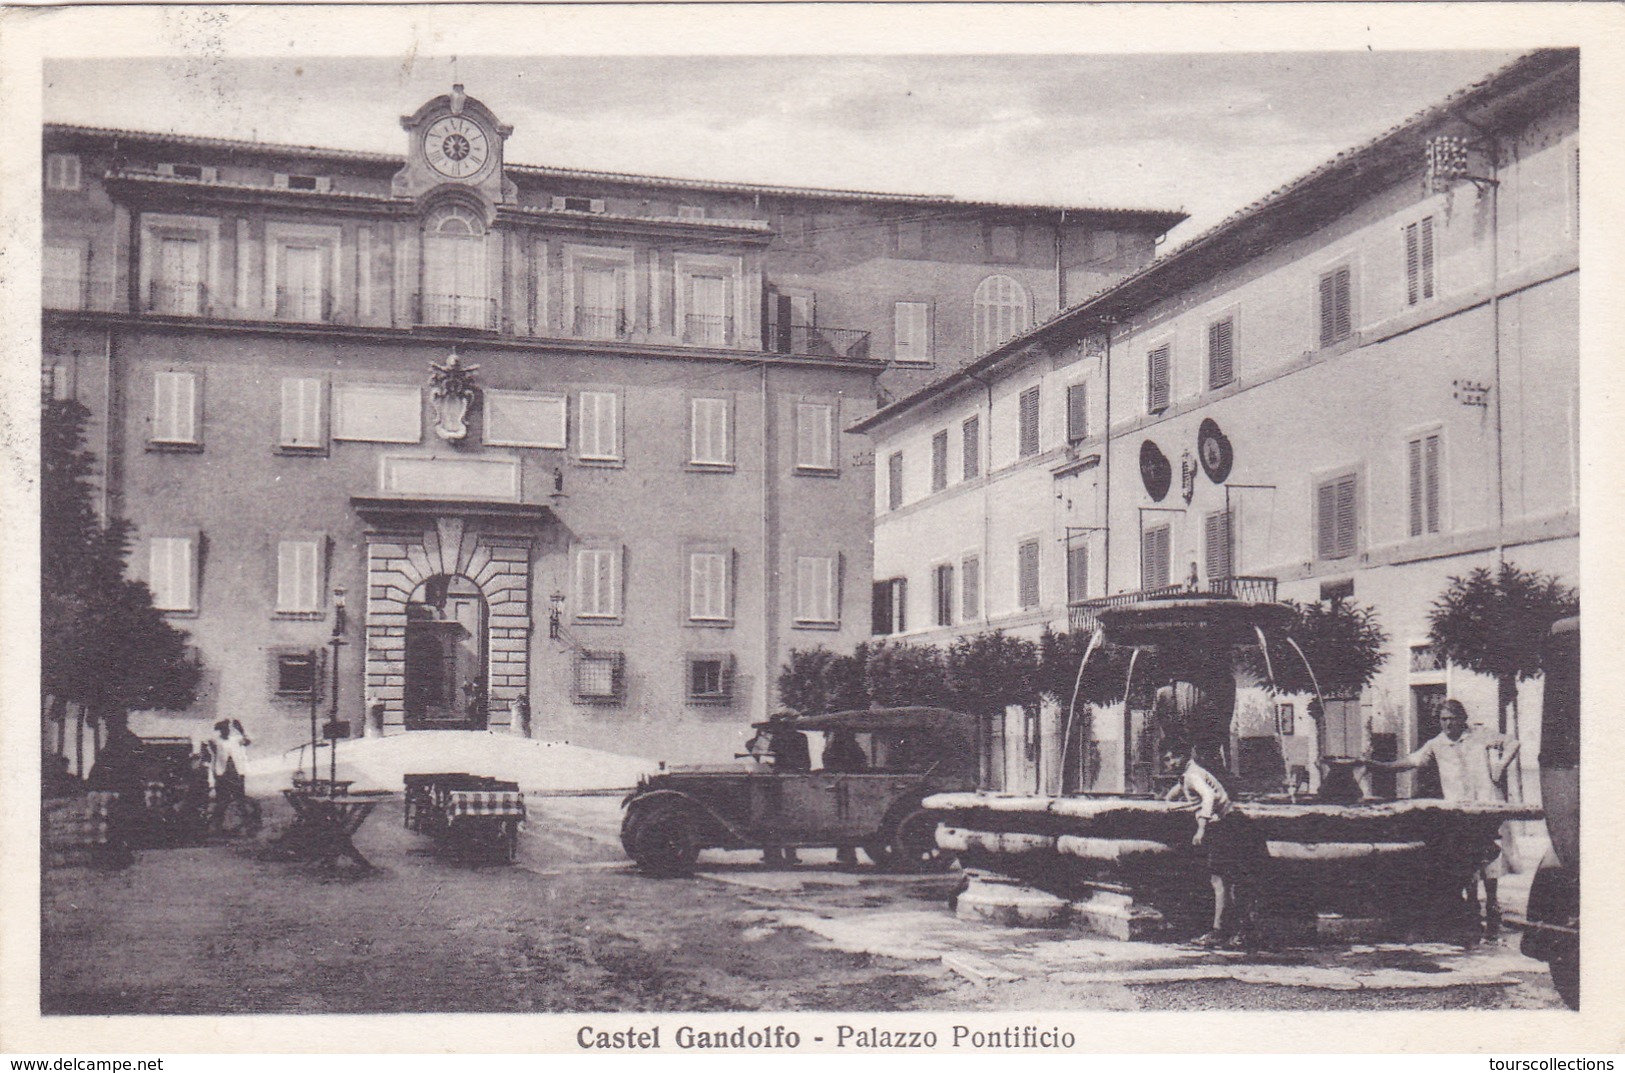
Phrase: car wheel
{"type": "Point", "coordinates": [1566, 978]}
{"type": "Point", "coordinates": [910, 845]}
{"type": "Point", "coordinates": [665, 841]}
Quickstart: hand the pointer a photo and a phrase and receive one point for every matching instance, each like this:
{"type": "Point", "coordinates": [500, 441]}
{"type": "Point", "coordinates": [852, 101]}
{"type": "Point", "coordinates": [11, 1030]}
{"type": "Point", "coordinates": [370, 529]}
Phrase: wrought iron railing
{"type": "Point", "coordinates": [1085, 614]}
{"type": "Point", "coordinates": [701, 329]}
{"type": "Point", "coordinates": [178, 299]}
{"type": "Point", "coordinates": [310, 306]}
{"type": "Point", "coordinates": [456, 311]}
{"type": "Point", "coordinates": [600, 322]}
{"type": "Point", "coordinates": [816, 342]}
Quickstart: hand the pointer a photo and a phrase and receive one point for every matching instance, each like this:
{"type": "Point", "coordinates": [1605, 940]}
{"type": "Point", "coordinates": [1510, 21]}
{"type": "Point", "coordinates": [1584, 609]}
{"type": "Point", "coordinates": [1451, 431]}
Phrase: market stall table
{"type": "Point", "coordinates": [325, 823]}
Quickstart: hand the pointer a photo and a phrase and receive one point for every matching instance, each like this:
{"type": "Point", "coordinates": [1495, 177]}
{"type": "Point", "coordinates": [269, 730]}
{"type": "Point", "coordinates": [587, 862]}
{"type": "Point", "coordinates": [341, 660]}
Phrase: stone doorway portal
{"type": "Point", "coordinates": [446, 686]}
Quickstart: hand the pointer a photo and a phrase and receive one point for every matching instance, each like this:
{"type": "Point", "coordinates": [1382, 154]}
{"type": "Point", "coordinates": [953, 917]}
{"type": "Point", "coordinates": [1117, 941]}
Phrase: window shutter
{"type": "Point", "coordinates": [1029, 422]}
{"type": "Point", "coordinates": [894, 480]}
{"type": "Point", "coordinates": [972, 446]}
{"type": "Point", "coordinates": [880, 608]}
{"type": "Point", "coordinates": [1156, 375]}
{"type": "Point", "coordinates": [174, 407]}
{"type": "Point", "coordinates": [1077, 413]}
{"type": "Point", "coordinates": [1217, 545]}
{"type": "Point", "coordinates": [1427, 257]}
{"type": "Point", "coordinates": [1154, 558]}
{"type": "Point", "coordinates": [1413, 453]}
{"type": "Point", "coordinates": [1220, 352]}
{"type": "Point", "coordinates": [1342, 324]}
{"type": "Point", "coordinates": [1027, 565]}
{"type": "Point", "coordinates": [1346, 520]}
{"type": "Point", "coordinates": [1413, 265]}
{"type": "Point", "coordinates": [1431, 475]}
{"type": "Point", "coordinates": [1326, 520]}
{"type": "Point", "coordinates": [945, 595]}
{"type": "Point", "coordinates": [1077, 572]}
{"type": "Point", "coordinates": [1328, 309]}
{"type": "Point", "coordinates": [171, 573]}
{"type": "Point", "coordinates": [970, 600]}
{"type": "Point", "coordinates": [287, 576]}
{"type": "Point", "coordinates": [301, 412]}
{"type": "Point", "coordinates": [939, 461]}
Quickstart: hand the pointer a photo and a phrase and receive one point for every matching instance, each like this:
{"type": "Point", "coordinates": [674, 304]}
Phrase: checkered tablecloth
{"type": "Point", "coordinates": [498, 803]}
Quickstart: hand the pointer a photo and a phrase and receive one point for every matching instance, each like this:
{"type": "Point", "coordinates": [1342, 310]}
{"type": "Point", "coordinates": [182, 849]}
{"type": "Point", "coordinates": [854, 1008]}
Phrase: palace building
{"type": "Point", "coordinates": [557, 451]}
{"type": "Point", "coordinates": [1357, 388]}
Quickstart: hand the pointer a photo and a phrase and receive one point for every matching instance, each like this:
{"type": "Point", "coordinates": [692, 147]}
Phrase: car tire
{"type": "Point", "coordinates": [1566, 978]}
{"type": "Point", "coordinates": [910, 844]}
{"type": "Point", "coordinates": [664, 841]}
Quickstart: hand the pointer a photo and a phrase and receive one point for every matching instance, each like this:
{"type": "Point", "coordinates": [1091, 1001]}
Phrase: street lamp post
{"type": "Point", "coordinates": [337, 641]}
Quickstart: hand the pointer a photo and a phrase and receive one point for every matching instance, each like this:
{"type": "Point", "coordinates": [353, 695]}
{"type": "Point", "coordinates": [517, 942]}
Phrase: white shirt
{"type": "Point", "coordinates": [1467, 766]}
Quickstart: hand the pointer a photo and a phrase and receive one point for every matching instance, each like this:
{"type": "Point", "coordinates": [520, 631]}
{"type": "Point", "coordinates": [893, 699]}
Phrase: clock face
{"type": "Point", "coordinates": [456, 147]}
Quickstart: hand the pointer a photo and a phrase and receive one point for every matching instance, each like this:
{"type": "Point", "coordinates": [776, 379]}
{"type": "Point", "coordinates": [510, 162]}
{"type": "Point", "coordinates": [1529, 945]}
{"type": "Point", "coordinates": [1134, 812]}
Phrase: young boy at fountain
{"type": "Point", "coordinates": [1227, 839]}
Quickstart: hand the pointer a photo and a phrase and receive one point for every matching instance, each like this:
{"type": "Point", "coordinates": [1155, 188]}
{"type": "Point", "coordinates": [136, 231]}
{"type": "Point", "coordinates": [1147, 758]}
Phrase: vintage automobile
{"type": "Point", "coordinates": [908, 754]}
{"type": "Point", "coordinates": [1552, 932]}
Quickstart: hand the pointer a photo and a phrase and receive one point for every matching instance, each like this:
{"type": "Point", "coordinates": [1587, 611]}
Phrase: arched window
{"type": "Point", "coordinates": [454, 291]}
{"type": "Point", "coordinates": [1002, 312]}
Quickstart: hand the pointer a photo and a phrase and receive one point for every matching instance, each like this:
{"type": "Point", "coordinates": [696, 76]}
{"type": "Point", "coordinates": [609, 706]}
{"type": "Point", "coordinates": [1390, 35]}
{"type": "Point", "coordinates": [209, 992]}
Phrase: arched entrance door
{"type": "Point", "coordinates": [446, 630]}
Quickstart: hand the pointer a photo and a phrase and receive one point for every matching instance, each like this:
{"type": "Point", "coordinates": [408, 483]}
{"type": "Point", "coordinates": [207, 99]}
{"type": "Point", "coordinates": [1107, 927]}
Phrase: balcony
{"type": "Point", "coordinates": [455, 311]}
{"type": "Point", "coordinates": [305, 305]}
{"type": "Point", "coordinates": [702, 329]}
{"type": "Point", "coordinates": [76, 292]}
{"type": "Point", "coordinates": [177, 299]}
{"type": "Point", "coordinates": [804, 339]}
{"type": "Point", "coordinates": [600, 322]}
{"type": "Point", "coordinates": [1083, 615]}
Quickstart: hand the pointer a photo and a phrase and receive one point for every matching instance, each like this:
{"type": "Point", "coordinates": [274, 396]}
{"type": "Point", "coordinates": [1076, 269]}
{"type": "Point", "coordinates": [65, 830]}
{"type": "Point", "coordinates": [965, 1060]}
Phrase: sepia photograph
{"type": "Point", "coordinates": [754, 546]}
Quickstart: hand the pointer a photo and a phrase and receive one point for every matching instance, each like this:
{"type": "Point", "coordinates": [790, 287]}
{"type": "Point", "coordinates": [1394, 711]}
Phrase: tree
{"type": "Point", "coordinates": [1343, 642]}
{"type": "Point", "coordinates": [1495, 623]}
{"type": "Point", "coordinates": [816, 680]}
{"type": "Point", "coordinates": [985, 672]}
{"type": "Point", "coordinates": [103, 645]}
{"type": "Point", "coordinates": [896, 674]}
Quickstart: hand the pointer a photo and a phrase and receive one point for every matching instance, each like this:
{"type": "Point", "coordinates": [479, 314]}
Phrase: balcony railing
{"type": "Point", "coordinates": [1085, 614]}
{"type": "Point", "coordinates": [701, 329]}
{"type": "Point", "coordinates": [816, 342]}
{"type": "Point", "coordinates": [455, 311]}
{"type": "Point", "coordinates": [600, 322]}
{"type": "Point", "coordinates": [76, 292]}
{"type": "Point", "coordinates": [177, 299]}
{"type": "Point", "coordinates": [309, 306]}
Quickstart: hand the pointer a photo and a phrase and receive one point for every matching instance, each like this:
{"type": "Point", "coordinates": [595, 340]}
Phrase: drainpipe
{"type": "Point", "coordinates": [1106, 451]}
{"type": "Point", "coordinates": [1060, 272]}
{"type": "Point", "coordinates": [987, 492]}
{"type": "Point", "coordinates": [769, 554]}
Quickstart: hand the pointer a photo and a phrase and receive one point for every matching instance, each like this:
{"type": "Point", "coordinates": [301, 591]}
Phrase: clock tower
{"type": "Point", "coordinates": [454, 140]}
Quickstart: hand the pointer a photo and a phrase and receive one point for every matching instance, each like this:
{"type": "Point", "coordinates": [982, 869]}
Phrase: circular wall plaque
{"type": "Point", "coordinates": [1214, 449]}
{"type": "Point", "coordinates": [1156, 473]}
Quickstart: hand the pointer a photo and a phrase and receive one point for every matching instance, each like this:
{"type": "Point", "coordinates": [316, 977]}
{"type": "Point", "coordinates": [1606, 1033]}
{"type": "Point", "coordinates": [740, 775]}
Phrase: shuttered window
{"type": "Point", "coordinates": [814, 436]}
{"type": "Point", "coordinates": [174, 408]}
{"type": "Point", "coordinates": [971, 445]}
{"type": "Point", "coordinates": [816, 583]}
{"type": "Point", "coordinates": [1221, 352]}
{"type": "Point", "coordinates": [1336, 311]}
{"type": "Point", "coordinates": [1422, 465]}
{"type": "Point", "coordinates": [1419, 261]}
{"type": "Point", "coordinates": [298, 576]}
{"type": "Point", "coordinates": [1000, 312]}
{"type": "Point", "coordinates": [1155, 546]}
{"type": "Point", "coordinates": [939, 461]}
{"type": "Point", "coordinates": [894, 481]}
{"type": "Point", "coordinates": [1336, 518]}
{"type": "Point", "coordinates": [970, 588]}
{"type": "Point", "coordinates": [708, 432]}
{"type": "Point", "coordinates": [1156, 380]}
{"type": "Point", "coordinates": [1218, 544]}
{"type": "Point", "coordinates": [599, 421]}
{"type": "Point", "coordinates": [598, 582]}
{"type": "Point", "coordinates": [172, 574]}
{"type": "Point", "coordinates": [302, 413]}
{"type": "Point", "coordinates": [708, 585]}
{"type": "Point", "coordinates": [1027, 574]}
{"type": "Point", "coordinates": [890, 606]}
{"type": "Point", "coordinates": [1077, 413]}
{"type": "Point", "coordinates": [1029, 422]}
{"type": "Point", "coordinates": [61, 171]}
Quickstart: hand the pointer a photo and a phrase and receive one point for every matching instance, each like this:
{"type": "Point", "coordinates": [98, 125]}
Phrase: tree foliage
{"type": "Point", "coordinates": [897, 673]}
{"type": "Point", "coordinates": [1343, 642]}
{"type": "Point", "coordinates": [1494, 623]}
{"type": "Point", "coordinates": [816, 680]}
{"type": "Point", "coordinates": [986, 672]}
{"type": "Point", "coordinates": [102, 643]}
